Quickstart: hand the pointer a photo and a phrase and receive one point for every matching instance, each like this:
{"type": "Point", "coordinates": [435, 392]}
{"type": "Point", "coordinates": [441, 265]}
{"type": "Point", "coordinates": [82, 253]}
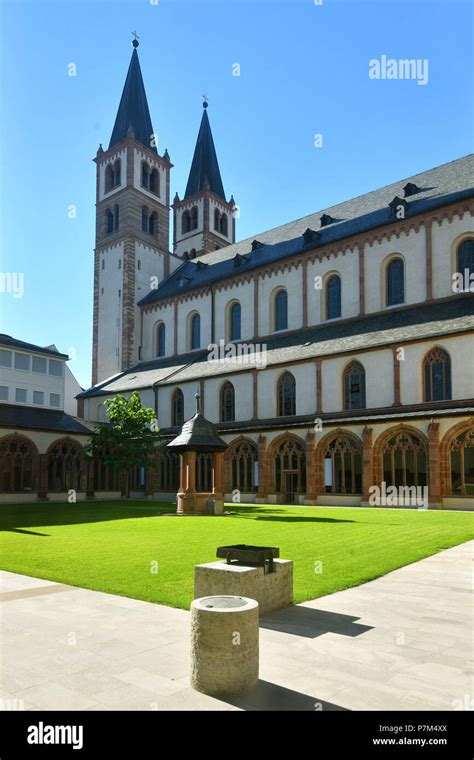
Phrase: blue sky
{"type": "Point", "coordinates": [303, 70]}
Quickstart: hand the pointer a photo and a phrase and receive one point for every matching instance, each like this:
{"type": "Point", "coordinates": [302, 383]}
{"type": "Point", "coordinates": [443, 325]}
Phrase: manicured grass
{"type": "Point", "coordinates": [111, 546]}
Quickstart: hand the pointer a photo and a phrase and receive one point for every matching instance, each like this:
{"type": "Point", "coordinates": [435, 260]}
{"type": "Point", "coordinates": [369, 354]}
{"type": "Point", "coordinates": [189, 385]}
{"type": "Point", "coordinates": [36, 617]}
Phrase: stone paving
{"type": "Point", "coordinates": [402, 642]}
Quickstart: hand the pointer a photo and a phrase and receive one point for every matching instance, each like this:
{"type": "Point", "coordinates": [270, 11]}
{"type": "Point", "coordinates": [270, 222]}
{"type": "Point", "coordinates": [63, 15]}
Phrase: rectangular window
{"type": "Point", "coordinates": [103, 263]}
{"type": "Point", "coordinates": [20, 395]}
{"type": "Point", "coordinates": [120, 263]}
{"type": "Point", "coordinates": [54, 399]}
{"type": "Point", "coordinates": [3, 392]}
{"type": "Point", "coordinates": [22, 361]}
{"type": "Point", "coordinates": [39, 365]}
{"type": "Point", "coordinates": [5, 358]}
{"type": "Point", "coordinates": [55, 368]}
{"type": "Point", "coordinates": [38, 397]}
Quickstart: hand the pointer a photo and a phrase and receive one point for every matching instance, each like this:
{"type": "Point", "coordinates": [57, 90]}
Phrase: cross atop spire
{"type": "Point", "coordinates": [205, 173]}
{"type": "Point", "coordinates": [133, 113]}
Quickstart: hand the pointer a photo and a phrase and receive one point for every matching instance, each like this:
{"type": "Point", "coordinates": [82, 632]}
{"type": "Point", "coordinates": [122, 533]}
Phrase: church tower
{"type": "Point", "coordinates": [203, 220]}
{"type": "Point", "coordinates": [132, 228]}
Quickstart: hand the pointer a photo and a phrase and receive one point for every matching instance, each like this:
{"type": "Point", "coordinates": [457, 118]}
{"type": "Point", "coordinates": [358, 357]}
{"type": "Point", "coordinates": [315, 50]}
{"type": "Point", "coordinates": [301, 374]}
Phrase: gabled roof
{"type": "Point", "coordinates": [205, 171]}
{"type": "Point", "coordinates": [31, 417]}
{"type": "Point", "coordinates": [133, 109]}
{"type": "Point", "coordinates": [437, 187]}
{"type": "Point", "coordinates": [6, 341]}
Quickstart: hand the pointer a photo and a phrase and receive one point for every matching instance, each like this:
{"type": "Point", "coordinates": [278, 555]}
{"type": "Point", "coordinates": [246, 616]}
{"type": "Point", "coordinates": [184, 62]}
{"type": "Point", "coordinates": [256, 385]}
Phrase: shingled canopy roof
{"type": "Point", "coordinates": [205, 171]}
{"type": "Point", "coordinates": [198, 434]}
{"type": "Point", "coordinates": [133, 110]}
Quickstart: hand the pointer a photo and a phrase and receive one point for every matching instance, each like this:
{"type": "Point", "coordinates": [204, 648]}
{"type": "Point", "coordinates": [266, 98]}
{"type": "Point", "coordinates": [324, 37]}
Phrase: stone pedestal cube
{"type": "Point", "coordinates": [272, 591]}
{"type": "Point", "coordinates": [224, 645]}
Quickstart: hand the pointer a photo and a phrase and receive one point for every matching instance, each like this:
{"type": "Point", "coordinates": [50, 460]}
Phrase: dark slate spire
{"type": "Point", "coordinates": [204, 174]}
{"type": "Point", "coordinates": [133, 113]}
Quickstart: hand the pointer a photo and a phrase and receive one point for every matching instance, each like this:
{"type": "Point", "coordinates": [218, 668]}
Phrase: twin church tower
{"type": "Point", "coordinates": [132, 250]}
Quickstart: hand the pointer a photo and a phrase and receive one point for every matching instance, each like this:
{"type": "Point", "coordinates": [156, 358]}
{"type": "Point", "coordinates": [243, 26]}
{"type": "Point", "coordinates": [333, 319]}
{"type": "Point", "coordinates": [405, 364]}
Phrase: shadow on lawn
{"type": "Point", "coordinates": [311, 622]}
{"type": "Point", "coordinates": [17, 518]}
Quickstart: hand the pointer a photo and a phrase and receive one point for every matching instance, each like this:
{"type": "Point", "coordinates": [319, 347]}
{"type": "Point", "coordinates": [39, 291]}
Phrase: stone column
{"type": "Point", "coordinates": [319, 487]}
{"type": "Point", "coordinates": [367, 464]}
{"type": "Point", "coordinates": [263, 471]}
{"type": "Point", "coordinates": [43, 478]}
{"type": "Point", "coordinates": [311, 494]}
{"type": "Point", "coordinates": [434, 466]}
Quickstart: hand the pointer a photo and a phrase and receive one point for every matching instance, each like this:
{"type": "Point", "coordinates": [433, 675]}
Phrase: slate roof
{"type": "Point", "coordinates": [133, 109]}
{"type": "Point", "coordinates": [204, 167]}
{"type": "Point", "coordinates": [6, 341]}
{"type": "Point", "coordinates": [198, 434]}
{"type": "Point", "coordinates": [421, 321]}
{"type": "Point", "coordinates": [444, 184]}
{"type": "Point", "coordinates": [29, 417]}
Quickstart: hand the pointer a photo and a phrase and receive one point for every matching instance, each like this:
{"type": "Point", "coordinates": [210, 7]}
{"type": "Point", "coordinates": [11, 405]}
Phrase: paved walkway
{"type": "Point", "coordinates": [402, 642]}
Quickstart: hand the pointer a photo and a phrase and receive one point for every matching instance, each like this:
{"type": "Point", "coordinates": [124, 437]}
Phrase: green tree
{"type": "Point", "coordinates": [128, 438]}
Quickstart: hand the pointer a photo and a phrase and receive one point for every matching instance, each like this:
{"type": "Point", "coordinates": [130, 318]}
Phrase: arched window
{"type": "Point", "coordinates": [109, 221]}
{"type": "Point", "coordinates": [462, 464]}
{"type": "Point", "coordinates": [177, 408]}
{"type": "Point", "coordinates": [185, 222]}
{"type": "Point", "coordinates": [117, 172]}
{"type": "Point", "coordinates": [17, 459]}
{"type": "Point", "coordinates": [145, 219]}
{"type": "Point", "coordinates": [116, 218]}
{"type": "Point", "coordinates": [290, 469]}
{"type": "Point", "coordinates": [286, 395]}
{"type": "Point", "coordinates": [235, 313]}
{"type": "Point", "coordinates": [466, 259]}
{"type": "Point", "coordinates": [227, 403]}
{"type": "Point", "coordinates": [217, 218]}
{"type": "Point", "coordinates": [65, 460]}
{"type": "Point", "coordinates": [437, 375]}
{"type": "Point", "coordinates": [244, 460]}
{"type": "Point", "coordinates": [333, 297]}
{"type": "Point", "coordinates": [185, 255]}
{"type": "Point", "coordinates": [161, 339]}
{"type": "Point", "coordinates": [280, 317]}
{"type": "Point", "coordinates": [152, 223]}
{"type": "Point", "coordinates": [112, 175]}
{"type": "Point", "coordinates": [167, 470]}
{"type": "Point", "coordinates": [345, 456]}
{"type": "Point", "coordinates": [395, 282]}
{"type": "Point", "coordinates": [145, 175]}
{"type": "Point", "coordinates": [224, 224]}
{"type": "Point", "coordinates": [106, 478]}
{"type": "Point", "coordinates": [192, 253]}
{"type": "Point", "coordinates": [155, 181]}
{"type": "Point", "coordinates": [194, 218]}
{"type": "Point", "coordinates": [354, 386]}
{"type": "Point", "coordinates": [405, 460]}
{"type": "Point", "coordinates": [195, 331]}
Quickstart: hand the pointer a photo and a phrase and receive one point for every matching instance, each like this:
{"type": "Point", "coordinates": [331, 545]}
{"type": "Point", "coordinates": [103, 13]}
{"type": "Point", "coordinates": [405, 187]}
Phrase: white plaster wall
{"type": "Point", "coordinates": [445, 240]}
{"type": "Point", "coordinates": [191, 241]}
{"type": "Point", "coordinates": [377, 365]}
{"type": "Point", "coordinates": [201, 305]}
{"type": "Point", "coordinates": [138, 157]}
{"type": "Point", "coordinates": [164, 402]}
{"type": "Point", "coordinates": [150, 320]}
{"type": "Point", "coordinates": [293, 282]}
{"type": "Point", "coordinates": [151, 265]}
{"type": "Point", "coordinates": [412, 249]}
{"type": "Point", "coordinates": [110, 312]}
{"type": "Point", "coordinates": [71, 389]}
{"type": "Point", "coordinates": [347, 267]}
{"type": "Point", "coordinates": [461, 351]}
{"type": "Point", "coordinates": [244, 293]}
{"type": "Point", "coordinates": [32, 381]}
{"type": "Point", "coordinates": [122, 155]}
{"type": "Point", "coordinates": [305, 377]}
{"type": "Point", "coordinates": [243, 387]}
{"type": "Point", "coordinates": [41, 439]}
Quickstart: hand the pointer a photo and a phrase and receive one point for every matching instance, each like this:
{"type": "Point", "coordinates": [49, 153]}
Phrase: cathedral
{"type": "Point", "coordinates": [334, 353]}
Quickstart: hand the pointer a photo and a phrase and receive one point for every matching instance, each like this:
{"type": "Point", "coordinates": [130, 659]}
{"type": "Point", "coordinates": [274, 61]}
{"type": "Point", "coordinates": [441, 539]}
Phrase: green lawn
{"type": "Point", "coordinates": [110, 546]}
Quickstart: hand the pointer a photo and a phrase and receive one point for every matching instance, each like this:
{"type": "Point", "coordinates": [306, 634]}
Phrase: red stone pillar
{"type": "Point", "coordinates": [263, 471]}
{"type": "Point", "coordinates": [367, 464]}
{"type": "Point", "coordinates": [434, 466]}
{"type": "Point", "coordinates": [218, 473]}
{"type": "Point", "coordinates": [319, 487]}
{"type": "Point", "coordinates": [311, 493]}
